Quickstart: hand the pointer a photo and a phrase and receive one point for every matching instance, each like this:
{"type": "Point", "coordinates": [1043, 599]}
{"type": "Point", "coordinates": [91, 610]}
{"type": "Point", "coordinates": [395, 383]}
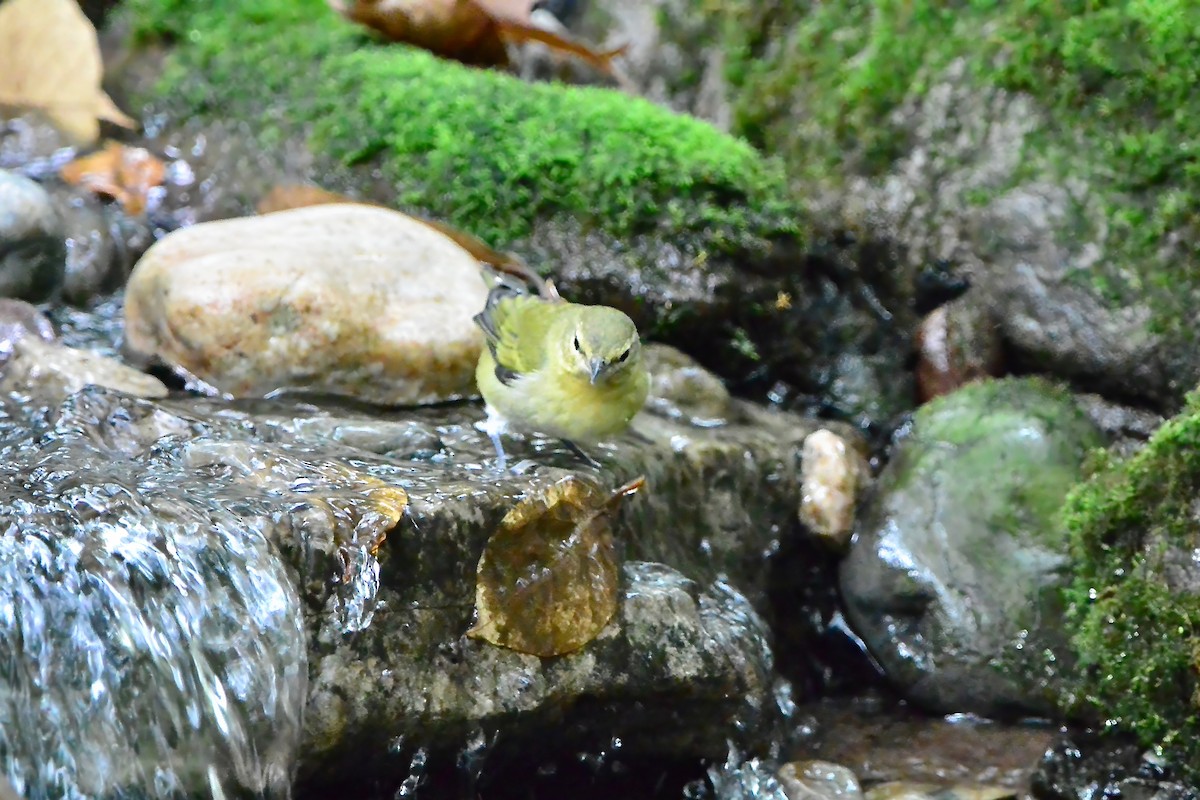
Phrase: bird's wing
{"type": "Point", "coordinates": [514, 329]}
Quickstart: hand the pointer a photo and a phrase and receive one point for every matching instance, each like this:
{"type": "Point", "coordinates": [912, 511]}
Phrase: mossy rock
{"type": "Point", "coordinates": [954, 578]}
{"type": "Point", "coordinates": [1135, 599]}
{"type": "Point", "coordinates": [1051, 148]}
{"type": "Point", "coordinates": [688, 229]}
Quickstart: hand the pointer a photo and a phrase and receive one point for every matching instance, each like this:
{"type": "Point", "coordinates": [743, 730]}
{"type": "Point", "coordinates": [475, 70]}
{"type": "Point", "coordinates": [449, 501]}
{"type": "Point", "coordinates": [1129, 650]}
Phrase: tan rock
{"type": "Point", "coordinates": [51, 370]}
{"type": "Point", "coordinates": [348, 299]}
{"type": "Point", "coordinates": [832, 473]}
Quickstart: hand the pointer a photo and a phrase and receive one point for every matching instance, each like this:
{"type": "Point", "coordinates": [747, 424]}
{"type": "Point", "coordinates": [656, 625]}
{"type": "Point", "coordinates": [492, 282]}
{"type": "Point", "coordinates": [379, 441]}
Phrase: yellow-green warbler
{"type": "Point", "coordinates": [570, 371]}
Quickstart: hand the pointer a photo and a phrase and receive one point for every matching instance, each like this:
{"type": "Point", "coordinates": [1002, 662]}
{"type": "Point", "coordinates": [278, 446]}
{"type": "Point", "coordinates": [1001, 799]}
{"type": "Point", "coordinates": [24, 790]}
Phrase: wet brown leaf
{"type": "Point", "coordinates": [126, 174]}
{"type": "Point", "coordinates": [50, 60]}
{"type": "Point", "coordinates": [471, 31]}
{"type": "Point", "coordinates": [547, 581]}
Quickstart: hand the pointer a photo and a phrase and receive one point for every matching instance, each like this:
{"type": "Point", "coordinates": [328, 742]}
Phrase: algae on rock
{"type": "Point", "coordinates": [954, 579]}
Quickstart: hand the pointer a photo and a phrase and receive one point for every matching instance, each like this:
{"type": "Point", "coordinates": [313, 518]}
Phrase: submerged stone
{"type": "Point", "coordinates": [955, 576]}
{"type": "Point", "coordinates": [51, 371]}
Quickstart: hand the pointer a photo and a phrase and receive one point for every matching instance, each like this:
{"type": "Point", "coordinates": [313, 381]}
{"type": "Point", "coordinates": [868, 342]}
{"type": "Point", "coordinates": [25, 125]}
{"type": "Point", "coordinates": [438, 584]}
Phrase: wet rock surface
{"type": "Point", "coordinates": [1084, 765]}
{"type": "Point", "coordinates": [953, 580]}
{"type": "Point", "coordinates": [289, 500]}
{"type": "Point", "coordinates": [32, 253]}
{"type": "Point", "coordinates": [881, 742]}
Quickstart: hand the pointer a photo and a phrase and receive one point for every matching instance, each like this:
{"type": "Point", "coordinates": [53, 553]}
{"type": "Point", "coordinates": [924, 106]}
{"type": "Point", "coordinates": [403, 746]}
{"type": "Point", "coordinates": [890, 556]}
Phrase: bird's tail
{"type": "Point", "coordinates": [516, 277]}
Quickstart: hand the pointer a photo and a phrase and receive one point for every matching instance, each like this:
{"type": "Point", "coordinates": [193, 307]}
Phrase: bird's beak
{"type": "Point", "coordinates": [597, 369]}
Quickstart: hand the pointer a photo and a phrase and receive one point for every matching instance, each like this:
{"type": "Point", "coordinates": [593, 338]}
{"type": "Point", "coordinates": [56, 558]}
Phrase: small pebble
{"type": "Point", "coordinates": [682, 389]}
{"type": "Point", "coordinates": [832, 472]}
{"type": "Point", "coordinates": [956, 344]}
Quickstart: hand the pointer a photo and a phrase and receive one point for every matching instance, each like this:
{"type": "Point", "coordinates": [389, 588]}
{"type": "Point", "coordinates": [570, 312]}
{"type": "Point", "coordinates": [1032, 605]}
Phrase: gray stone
{"type": "Point", "coordinates": [32, 252]}
{"type": "Point", "coordinates": [93, 252]}
{"type": "Point", "coordinates": [953, 580]}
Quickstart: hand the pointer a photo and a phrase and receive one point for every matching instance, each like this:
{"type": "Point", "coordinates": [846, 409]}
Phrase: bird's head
{"type": "Point", "coordinates": [602, 345]}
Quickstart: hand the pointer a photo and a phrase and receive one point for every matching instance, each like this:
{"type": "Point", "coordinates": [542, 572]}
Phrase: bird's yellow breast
{"type": "Point", "coordinates": [562, 404]}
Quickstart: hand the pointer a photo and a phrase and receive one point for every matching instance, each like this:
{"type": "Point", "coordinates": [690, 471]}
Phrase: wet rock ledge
{"type": "Point", "coordinates": [233, 543]}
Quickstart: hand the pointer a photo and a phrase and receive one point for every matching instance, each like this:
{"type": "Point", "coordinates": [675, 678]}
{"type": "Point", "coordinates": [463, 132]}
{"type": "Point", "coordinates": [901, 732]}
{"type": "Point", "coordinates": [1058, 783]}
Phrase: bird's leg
{"type": "Point", "coordinates": [501, 458]}
{"type": "Point", "coordinates": [493, 426]}
{"type": "Point", "coordinates": [574, 448]}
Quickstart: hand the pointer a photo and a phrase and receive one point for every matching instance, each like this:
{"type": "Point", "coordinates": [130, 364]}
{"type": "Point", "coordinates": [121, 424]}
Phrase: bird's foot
{"type": "Point", "coordinates": [574, 448]}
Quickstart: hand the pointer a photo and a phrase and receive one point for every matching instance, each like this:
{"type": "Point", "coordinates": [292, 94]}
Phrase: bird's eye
{"type": "Point", "coordinates": [575, 343]}
{"type": "Point", "coordinates": [621, 358]}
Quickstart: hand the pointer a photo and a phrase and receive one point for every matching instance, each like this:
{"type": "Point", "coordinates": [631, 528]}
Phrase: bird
{"type": "Point", "coordinates": [571, 371]}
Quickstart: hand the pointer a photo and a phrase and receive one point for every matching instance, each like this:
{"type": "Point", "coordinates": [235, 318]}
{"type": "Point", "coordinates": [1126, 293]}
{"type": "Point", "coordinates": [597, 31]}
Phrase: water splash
{"type": "Point", "coordinates": [744, 779]}
{"type": "Point", "coordinates": [152, 638]}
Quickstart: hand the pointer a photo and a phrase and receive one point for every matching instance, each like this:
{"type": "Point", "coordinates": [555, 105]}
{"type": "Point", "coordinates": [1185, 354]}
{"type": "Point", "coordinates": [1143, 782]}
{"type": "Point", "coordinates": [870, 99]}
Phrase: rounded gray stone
{"type": "Point", "coordinates": [953, 580]}
{"type": "Point", "coordinates": [32, 248]}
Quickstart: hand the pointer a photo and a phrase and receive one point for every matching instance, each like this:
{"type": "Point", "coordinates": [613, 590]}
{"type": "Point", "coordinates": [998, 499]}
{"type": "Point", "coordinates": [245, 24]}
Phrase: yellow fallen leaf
{"type": "Point", "coordinates": [547, 581]}
{"type": "Point", "coordinates": [50, 60]}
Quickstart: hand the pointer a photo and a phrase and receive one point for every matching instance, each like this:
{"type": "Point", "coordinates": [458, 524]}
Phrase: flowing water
{"type": "Point", "coordinates": [150, 636]}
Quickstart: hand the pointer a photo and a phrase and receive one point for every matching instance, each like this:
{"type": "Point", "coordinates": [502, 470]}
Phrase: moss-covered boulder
{"type": "Point", "coordinates": [688, 229]}
{"type": "Point", "coordinates": [1135, 600]}
{"type": "Point", "coordinates": [1051, 149]}
{"type": "Point", "coordinates": [954, 577]}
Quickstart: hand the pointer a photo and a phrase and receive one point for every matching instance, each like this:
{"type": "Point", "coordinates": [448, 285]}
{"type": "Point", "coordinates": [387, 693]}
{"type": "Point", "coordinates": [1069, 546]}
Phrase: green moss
{"type": "Point", "coordinates": [1116, 77]}
{"type": "Point", "coordinates": [1002, 432]}
{"type": "Point", "coordinates": [1134, 531]}
{"type": "Point", "coordinates": [478, 148]}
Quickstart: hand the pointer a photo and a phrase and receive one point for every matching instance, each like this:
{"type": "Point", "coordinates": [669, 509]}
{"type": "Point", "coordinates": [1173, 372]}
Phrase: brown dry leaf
{"type": "Point", "coordinates": [126, 174]}
{"type": "Point", "coordinates": [50, 60]}
{"type": "Point", "coordinates": [458, 29]}
{"type": "Point", "coordinates": [547, 581]}
{"type": "Point", "coordinates": [289, 196]}
{"type": "Point", "coordinates": [471, 31]}
{"type": "Point", "coordinates": [599, 60]}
